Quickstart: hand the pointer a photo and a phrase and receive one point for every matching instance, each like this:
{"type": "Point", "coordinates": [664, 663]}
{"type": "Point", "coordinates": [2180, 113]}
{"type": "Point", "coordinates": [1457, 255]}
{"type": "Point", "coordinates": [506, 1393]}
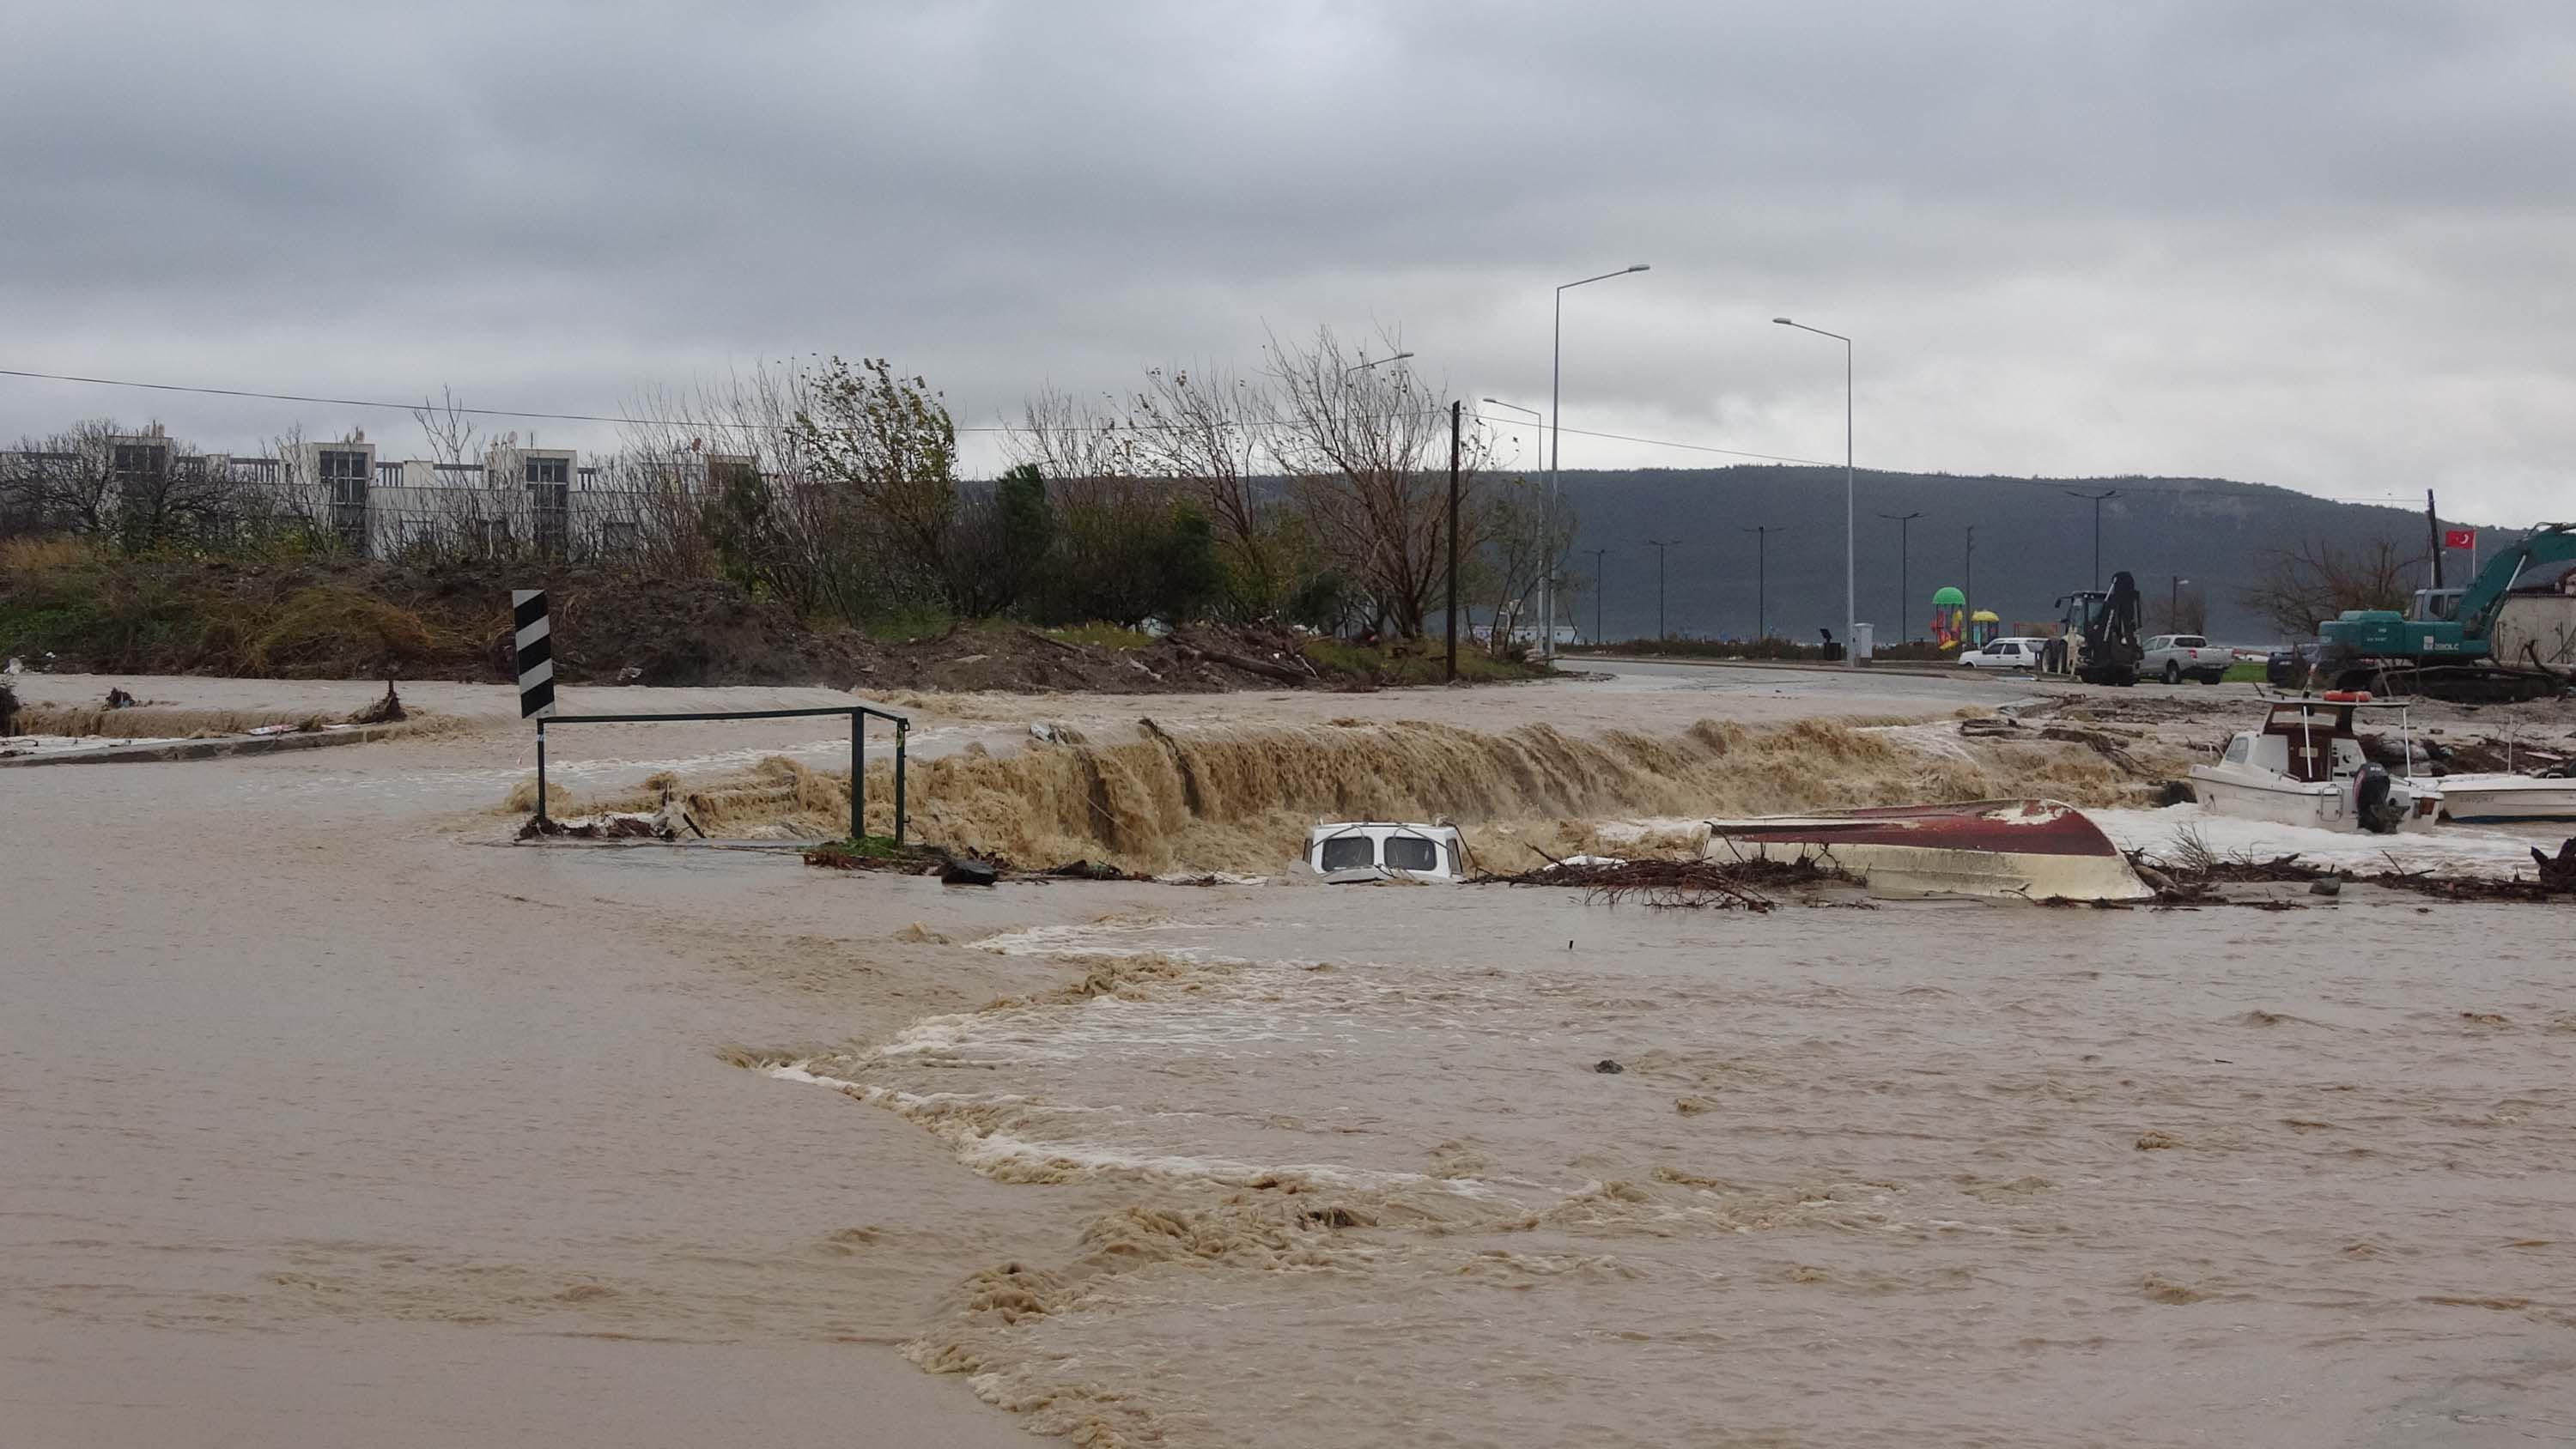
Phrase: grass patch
{"type": "Point", "coordinates": [2247, 673]}
{"type": "Point", "coordinates": [1421, 661]}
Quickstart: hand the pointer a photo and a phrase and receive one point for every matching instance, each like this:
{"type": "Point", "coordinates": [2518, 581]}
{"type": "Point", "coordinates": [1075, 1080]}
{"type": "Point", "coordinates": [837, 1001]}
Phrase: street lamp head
{"type": "Point", "coordinates": [1639, 267]}
{"type": "Point", "coordinates": [1783, 321]}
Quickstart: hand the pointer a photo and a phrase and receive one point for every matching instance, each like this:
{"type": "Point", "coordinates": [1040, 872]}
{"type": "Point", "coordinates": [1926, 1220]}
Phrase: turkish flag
{"type": "Point", "coordinates": [2459, 538]}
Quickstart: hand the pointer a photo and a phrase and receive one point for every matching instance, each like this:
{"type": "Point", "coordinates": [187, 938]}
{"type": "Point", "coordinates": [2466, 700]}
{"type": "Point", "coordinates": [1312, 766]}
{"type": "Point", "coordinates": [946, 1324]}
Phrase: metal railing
{"type": "Point", "coordinates": [859, 715]}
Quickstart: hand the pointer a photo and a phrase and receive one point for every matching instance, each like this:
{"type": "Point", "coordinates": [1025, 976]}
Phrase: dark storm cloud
{"type": "Point", "coordinates": [2323, 245]}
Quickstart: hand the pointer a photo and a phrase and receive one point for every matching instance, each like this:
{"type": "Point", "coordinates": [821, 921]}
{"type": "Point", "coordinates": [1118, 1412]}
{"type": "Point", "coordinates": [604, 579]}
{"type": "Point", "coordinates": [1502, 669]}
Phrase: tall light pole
{"type": "Point", "coordinates": [2173, 605]}
{"type": "Point", "coordinates": [2096, 499]}
{"type": "Point", "coordinates": [1556, 439]}
{"type": "Point", "coordinates": [1904, 589]}
{"type": "Point", "coordinates": [1761, 578]}
{"type": "Point", "coordinates": [1851, 577]}
{"type": "Point", "coordinates": [1659, 545]}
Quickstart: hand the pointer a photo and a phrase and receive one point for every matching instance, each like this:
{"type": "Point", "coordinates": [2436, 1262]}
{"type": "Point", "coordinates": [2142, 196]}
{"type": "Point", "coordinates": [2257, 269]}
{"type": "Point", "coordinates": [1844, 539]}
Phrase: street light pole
{"type": "Point", "coordinates": [2173, 605]}
{"type": "Point", "coordinates": [1904, 589]}
{"type": "Point", "coordinates": [1556, 438]}
{"type": "Point", "coordinates": [1761, 578]}
{"type": "Point", "coordinates": [1851, 575]}
{"type": "Point", "coordinates": [2096, 499]}
{"type": "Point", "coordinates": [1659, 545]}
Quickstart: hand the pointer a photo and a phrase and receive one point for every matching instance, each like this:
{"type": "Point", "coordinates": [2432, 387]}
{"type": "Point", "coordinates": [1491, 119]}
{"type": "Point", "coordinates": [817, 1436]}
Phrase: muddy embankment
{"type": "Point", "coordinates": [1241, 800]}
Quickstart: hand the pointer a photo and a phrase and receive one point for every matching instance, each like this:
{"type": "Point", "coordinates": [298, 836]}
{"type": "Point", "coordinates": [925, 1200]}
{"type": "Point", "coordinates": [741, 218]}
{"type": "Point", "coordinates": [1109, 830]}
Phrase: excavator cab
{"type": "Point", "coordinates": [2437, 605]}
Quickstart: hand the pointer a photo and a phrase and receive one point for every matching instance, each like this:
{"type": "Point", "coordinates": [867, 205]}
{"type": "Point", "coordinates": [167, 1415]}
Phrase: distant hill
{"type": "Point", "coordinates": [2033, 543]}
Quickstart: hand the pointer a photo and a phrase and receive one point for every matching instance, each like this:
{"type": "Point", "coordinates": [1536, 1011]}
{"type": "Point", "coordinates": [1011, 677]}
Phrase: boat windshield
{"type": "Point", "coordinates": [1348, 852]}
{"type": "Point", "coordinates": [1411, 852]}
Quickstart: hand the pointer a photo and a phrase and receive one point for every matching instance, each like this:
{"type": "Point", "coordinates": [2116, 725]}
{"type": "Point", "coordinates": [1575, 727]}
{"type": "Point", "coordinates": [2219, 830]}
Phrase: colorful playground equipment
{"type": "Point", "coordinates": [1949, 617]}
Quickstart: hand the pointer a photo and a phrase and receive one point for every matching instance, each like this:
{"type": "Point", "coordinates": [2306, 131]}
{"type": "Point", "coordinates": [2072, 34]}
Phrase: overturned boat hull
{"type": "Point", "coordinates": [2503, 799]}
{"type": "Point", "coordinates": [2001, 849]}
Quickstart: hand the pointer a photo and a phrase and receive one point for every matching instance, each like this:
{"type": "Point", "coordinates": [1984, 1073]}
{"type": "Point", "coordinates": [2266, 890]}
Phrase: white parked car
{"type": "Point", "coordinates": [2014, 653]}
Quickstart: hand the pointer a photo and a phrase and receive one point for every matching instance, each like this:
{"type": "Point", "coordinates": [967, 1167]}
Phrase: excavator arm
{"type": "Point", "coordinates": [2551, 543]}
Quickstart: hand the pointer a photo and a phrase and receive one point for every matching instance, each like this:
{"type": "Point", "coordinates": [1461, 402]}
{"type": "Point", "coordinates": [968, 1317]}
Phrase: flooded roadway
{"type": "Point", "coordinates": [329, 1123]}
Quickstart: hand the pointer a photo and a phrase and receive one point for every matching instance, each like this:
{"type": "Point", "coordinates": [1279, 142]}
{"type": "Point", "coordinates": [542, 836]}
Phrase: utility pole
{"type": "Point", "coordinates": [2097, 499]}
{"type": "Point", "coordinates": [1904, 590]}
{"type": "Point", "coordinates": [1970, 589]}
{"type": "Point", "coordinates": [1453, 542]}
{"type": "Point", "coordinates": [2433, 535]}
{"type": "Point", "coordinates": [1600, 586]}
{"type": "Point", "coordinates": [1761, 580]}
{"type": "Point", "coordinates": [2173, 606]}
{"type": "Point", "coordinates": [1659, 545]}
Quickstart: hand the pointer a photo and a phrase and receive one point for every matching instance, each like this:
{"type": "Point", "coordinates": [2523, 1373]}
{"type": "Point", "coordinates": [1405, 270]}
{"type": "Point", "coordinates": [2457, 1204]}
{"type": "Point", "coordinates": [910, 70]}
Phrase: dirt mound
{"type": "Point", "coordinates": [340, 619]}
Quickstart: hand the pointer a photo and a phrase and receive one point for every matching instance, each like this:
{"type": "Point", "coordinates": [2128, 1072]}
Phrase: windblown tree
{"type": "Point", "coordinates": [882, 453]}
{"type": "Point", "coordinates": [1366, 453]}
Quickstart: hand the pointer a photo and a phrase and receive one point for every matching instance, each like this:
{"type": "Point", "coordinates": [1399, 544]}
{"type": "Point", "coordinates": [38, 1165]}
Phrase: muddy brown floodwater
{"type": "Point", "coordinates": [328, 1120]}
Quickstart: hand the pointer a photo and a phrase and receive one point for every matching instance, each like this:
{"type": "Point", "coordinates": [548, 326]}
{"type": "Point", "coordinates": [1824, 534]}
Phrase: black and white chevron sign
{"type": "Point", "coordinates": [536, 654]}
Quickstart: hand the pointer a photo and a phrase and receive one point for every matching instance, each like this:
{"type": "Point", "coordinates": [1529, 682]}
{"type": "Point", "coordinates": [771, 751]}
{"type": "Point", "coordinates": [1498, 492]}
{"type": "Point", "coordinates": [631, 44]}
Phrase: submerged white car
{"type": "Point", "coordinates": [1352, 850]}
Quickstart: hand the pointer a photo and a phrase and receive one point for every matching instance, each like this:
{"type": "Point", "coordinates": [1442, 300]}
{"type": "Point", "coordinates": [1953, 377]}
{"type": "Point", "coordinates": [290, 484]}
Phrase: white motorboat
{"type": "Point", "coordinates": [2502, 799]}
{"type": "Point", "coordinates": [1365, 850]}
{"type": "Point", "coordinates": [2306, 766]}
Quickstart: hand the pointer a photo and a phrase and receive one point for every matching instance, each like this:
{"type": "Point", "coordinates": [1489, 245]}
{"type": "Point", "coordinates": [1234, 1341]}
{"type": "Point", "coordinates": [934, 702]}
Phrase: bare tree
{"type": "Point", "coordinates": [450, 431]}
{"type": "Point", "coordinates": [1520, 532]}
{"type": "Point", "coordinates": [1366, 453]}
{"type": "Point", "coordinates": [2316, 581]}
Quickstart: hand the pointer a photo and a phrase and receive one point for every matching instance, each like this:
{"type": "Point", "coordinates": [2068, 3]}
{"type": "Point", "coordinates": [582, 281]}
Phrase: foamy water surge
{"type": "Point", "coordinates": [1241, 799]}
{"type": "Point", "coordinates": [1897, 1177]}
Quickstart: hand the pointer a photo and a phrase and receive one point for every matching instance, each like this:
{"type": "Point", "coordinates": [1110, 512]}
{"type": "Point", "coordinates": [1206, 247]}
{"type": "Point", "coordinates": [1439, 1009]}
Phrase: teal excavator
{"type": "Point", "coordinates": [2511, 634]}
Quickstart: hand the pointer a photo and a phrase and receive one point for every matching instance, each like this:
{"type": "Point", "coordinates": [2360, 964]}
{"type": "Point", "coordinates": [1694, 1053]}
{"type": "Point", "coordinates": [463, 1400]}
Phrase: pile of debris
{"type": "Point", "coordinates": [2193, 875]}
{"type": "Point", "coordinates": [1677, 884]}
{"type": "Point", "coordinates": [2109, 744]}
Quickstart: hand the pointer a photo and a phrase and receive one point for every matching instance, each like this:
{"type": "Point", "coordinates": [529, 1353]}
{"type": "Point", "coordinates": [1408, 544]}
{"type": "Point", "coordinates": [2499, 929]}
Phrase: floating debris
{"type": "Point", "coordinates": [1679, 884]}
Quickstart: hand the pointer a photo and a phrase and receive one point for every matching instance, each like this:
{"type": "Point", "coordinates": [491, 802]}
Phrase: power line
{"type": "Point", "coordinates": [353, 402]}
{"type": "Point", "coordinates": [2127, 484]}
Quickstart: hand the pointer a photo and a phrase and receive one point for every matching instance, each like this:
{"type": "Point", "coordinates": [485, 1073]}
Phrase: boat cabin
{"type": "Point", "coordinates": [2306, 740]}
{"type": "Point", "coordinates": [2312, 740]}
{"type": "Point", "coordinates": [1425, 852]}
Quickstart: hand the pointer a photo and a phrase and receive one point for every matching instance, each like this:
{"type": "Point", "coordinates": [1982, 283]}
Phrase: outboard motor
{"type": "Point", "coordinates": [2371, 804]}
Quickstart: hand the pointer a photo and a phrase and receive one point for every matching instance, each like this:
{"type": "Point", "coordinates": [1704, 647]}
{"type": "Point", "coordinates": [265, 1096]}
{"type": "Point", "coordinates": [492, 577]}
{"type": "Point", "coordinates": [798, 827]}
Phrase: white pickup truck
{"type": "Point", "coordinates": [2174, 658]}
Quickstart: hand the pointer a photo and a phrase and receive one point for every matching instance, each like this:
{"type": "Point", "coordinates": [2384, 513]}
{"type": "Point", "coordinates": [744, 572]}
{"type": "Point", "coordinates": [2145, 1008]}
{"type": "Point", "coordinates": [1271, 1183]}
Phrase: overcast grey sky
{"type": "Point", "coordinates": [2326, 245]}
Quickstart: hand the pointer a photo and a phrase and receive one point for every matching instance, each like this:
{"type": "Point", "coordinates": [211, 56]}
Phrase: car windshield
{"type": "Point", "coordinates": [1411, 852]}
{"type": "Point", "coordinates": [1348, 852]}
